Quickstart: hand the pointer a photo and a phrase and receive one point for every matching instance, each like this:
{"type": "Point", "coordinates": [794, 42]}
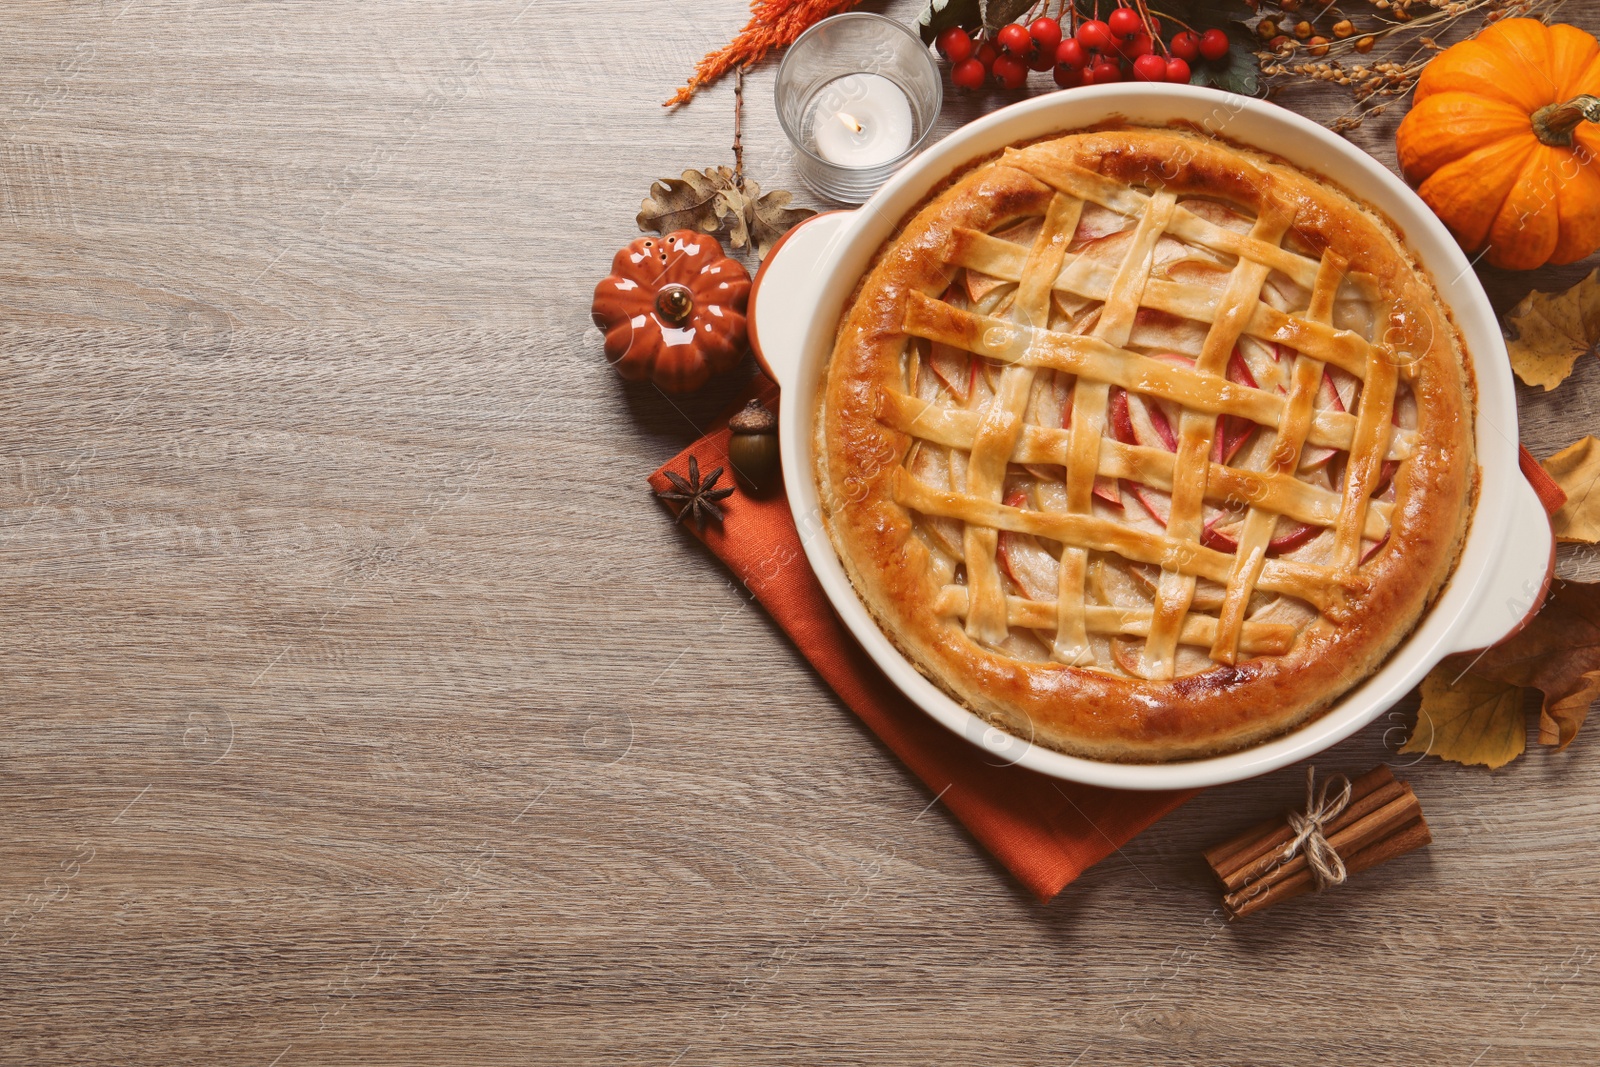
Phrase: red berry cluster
{"type": "Point", "coordinates": [1126, 45]}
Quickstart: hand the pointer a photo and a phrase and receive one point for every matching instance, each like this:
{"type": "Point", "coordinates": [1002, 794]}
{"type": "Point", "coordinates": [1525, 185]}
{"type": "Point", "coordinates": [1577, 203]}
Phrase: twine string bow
{"type": "Point", "coordinates": [1327, 869]}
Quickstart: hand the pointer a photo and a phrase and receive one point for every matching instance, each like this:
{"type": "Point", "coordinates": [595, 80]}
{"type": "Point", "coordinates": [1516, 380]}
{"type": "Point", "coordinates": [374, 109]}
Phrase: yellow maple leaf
{"type": "Point", "coordinates": [1577, 470]}
{"type": "Point", "coordinates": [1547, 332]}
{"type": "Point", "coordinates": [1469, 719]}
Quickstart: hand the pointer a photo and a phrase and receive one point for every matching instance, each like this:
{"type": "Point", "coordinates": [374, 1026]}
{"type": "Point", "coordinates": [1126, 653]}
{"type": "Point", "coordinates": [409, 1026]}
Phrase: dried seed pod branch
{"type": "Point", "coordinates": [1377, 48]}
{"type": "Point", "coordinates": [738, 129]}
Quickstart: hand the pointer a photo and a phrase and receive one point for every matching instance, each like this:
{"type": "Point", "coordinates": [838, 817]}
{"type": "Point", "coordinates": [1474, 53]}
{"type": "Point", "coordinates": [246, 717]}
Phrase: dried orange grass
{"type": "Point", "coordinates": [773, 24]}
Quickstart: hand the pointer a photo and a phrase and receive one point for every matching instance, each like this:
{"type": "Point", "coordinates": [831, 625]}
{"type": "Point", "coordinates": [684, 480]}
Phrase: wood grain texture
{"type": "Point", "coordinates": [359, 705]}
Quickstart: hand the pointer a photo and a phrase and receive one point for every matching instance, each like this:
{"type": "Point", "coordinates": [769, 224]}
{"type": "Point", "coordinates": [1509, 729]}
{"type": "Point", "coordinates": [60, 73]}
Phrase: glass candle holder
{"type": "Point", "coordinates": [857, 95]}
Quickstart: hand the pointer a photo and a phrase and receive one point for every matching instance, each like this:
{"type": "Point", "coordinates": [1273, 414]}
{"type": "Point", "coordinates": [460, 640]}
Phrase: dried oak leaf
{"type": "Point", "coordinates": [1576, 469]}
{"type": "Point", "coordinates": [1547, 332]}
{"type": "Point", "coordinates": [706, 200]}
{"type": "Point", "coordinates": [1468, 719]}
{"type": "Point", "coordinates": [758, 221]}
{"type": "Point", "coordinates": [686, 203]}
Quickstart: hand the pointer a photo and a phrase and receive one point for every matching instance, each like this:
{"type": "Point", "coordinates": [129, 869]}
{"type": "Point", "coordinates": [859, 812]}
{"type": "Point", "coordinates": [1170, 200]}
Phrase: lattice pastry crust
{"type": "Point", "coordinates": [1146, 446]}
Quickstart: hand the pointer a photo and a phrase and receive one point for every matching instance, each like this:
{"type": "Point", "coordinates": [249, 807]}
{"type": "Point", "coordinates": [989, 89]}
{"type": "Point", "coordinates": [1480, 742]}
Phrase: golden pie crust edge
{"type": "Point", "coordinates": [1090, 713]}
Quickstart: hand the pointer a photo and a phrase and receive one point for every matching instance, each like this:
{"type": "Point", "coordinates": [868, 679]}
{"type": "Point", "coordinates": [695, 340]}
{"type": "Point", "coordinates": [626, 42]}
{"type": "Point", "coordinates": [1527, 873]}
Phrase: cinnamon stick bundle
{"type": "Point", "coordinates": [1269, 862]}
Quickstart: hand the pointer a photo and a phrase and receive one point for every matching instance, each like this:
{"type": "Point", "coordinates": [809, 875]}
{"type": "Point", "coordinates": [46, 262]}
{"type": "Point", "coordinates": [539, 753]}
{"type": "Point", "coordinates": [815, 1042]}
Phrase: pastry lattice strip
{"type": "Point", "coordinates": [1200, 630]}
{"type": "Point", "coordinates": [1093, 359]}
{"type": "Point", "coordinates": [1317, 585]}
{"type": "Point", "coordinates": [1185, 520]}
{"type": "Point", "coordinates": [1023, 343]}
{"type": "Point", "coordinates": [995, 440]}
{"type": "Point", "coordinates": [1305, 380]}
{"type": "Point", "coordinates": [953, 427]}
{"type": "Point", "coordinates": [1089, 397]}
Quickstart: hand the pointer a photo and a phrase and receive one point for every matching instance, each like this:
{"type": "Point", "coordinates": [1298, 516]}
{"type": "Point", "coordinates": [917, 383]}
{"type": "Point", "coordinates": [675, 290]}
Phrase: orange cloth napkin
{"type": "Point", "coordinates": [1046, 832]}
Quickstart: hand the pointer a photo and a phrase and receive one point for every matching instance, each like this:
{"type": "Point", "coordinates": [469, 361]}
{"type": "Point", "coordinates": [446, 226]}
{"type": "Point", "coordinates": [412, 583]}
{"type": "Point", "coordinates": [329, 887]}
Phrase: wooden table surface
{"type": "Point", "coordinates": [360, 706]}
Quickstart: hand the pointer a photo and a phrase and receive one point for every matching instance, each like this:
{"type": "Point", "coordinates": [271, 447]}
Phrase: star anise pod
{"type": "Point", "coordinates": [698, 497]}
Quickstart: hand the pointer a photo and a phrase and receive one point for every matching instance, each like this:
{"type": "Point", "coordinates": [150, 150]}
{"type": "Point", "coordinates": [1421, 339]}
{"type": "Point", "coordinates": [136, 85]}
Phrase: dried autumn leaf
{"type": "Point", "coordinates": [773, 218]}
{"type": "Point", "coordinates": [709, 199]}
{"type": "Point", "coordinates": [759, 220]}
{"type": "Point", "coordinates": [1472, 705]}
{"type": "Point", "coordinates": [686, 203]}
{"type": "Point", "coordinates": [1577, 470]}
{"type": "Point", "coordinates": [733, 206]}
{"type": "Point", "coordinates": [1547, 332]}
{"type": "Point", "coordinates": [1558, 652]}
{"type": "Point", "coordinates": [1469, 719]}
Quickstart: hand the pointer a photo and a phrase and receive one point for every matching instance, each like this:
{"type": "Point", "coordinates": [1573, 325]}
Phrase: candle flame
{"type": "Point", "coordinates": [850, 121]}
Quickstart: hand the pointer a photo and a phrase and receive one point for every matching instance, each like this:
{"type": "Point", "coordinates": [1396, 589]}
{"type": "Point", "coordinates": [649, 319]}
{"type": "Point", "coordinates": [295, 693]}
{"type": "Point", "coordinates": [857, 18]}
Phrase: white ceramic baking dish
{"type": "Point", "coordinates": [1505, 565]}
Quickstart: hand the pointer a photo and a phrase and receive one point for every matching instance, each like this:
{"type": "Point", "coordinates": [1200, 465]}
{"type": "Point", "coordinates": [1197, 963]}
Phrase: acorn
{"type": "Point", "coordinates": [753, 448]}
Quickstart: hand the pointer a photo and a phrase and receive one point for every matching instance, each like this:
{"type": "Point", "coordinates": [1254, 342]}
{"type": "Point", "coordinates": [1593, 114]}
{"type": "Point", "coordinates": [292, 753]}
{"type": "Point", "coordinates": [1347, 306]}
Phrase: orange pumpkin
{"type": "Point", "coordinates": [1502, 146]}
{"type": "Point", "coordinates": [673, 310]}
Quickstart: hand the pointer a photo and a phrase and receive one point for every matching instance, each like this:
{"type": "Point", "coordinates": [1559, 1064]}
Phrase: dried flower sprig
{"type": "Point", "coordinates": [773, 24]}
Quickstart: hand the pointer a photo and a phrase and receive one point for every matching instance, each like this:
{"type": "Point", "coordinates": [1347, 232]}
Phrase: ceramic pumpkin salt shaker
{"type": "Point", "coordinates": [1502, 140]}
{"type": "Point", "coordinates": [673, 310]}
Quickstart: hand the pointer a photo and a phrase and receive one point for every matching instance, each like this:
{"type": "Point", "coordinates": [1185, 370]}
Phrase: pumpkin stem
{"type": "Point", "coordinates": [1553, 124]}
{"type": "Point", "coordinates": [675, 303]}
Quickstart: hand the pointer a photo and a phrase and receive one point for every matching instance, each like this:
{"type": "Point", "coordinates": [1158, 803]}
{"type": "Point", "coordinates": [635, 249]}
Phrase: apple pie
{"type": "Point", "coordinates": [1144, 445]}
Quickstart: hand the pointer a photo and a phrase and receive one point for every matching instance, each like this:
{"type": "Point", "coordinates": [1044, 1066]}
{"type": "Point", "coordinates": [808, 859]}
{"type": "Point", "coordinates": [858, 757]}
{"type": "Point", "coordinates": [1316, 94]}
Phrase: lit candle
{"type": "Point", "coordinates": [862, 120]}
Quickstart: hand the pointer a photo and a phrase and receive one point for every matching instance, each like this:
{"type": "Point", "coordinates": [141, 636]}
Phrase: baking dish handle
{"type": "Point", "coordinates": [1517, 587]}
{"type": "Point", "coordinates": [783, 297]}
